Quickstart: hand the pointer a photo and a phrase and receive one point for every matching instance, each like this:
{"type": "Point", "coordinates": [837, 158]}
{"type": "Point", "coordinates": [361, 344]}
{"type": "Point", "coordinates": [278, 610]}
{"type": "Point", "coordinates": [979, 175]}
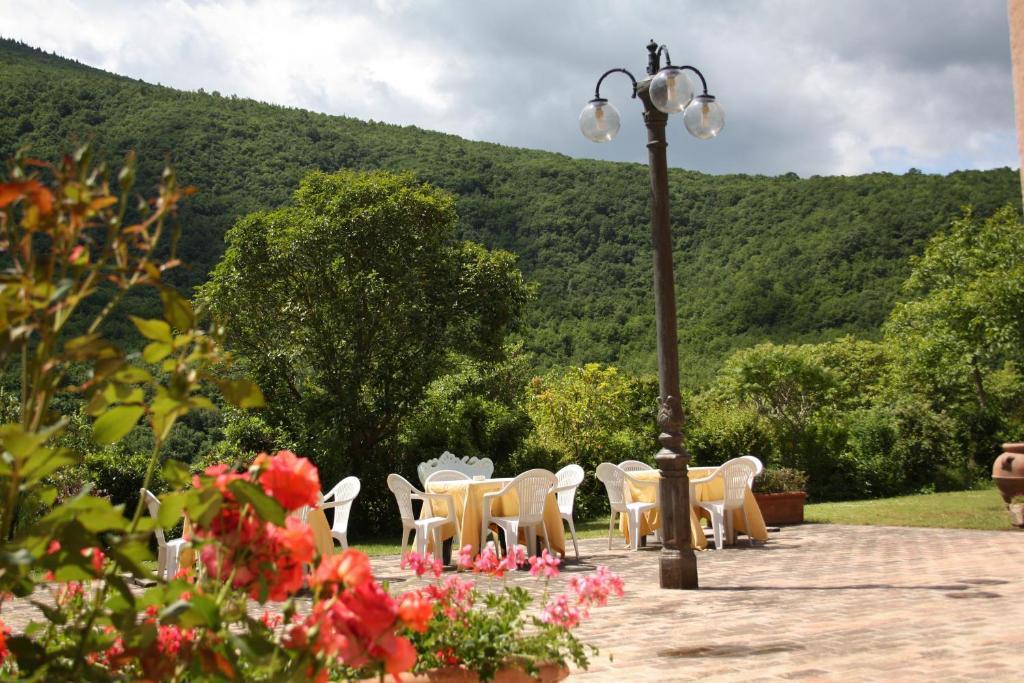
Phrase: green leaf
{"type": "Point", "coordinates": [156, 352]}
{"type": "Point", "coordinates": [157, 330]}
{"type": "Point", "coordinates": [177, 310]}
{"type": "Point", "coordinates": [266, 507]}
{"type": "Point", "coordinates": [241, 393]}
{"type": "Point", "coordinates": [176, 473]}
{"type": "Point", "coordinates": [172, 506]}
{"type": "Point", "coordinates": [45, 461]}
{"type": "Point", "coordinates": [114, 424]}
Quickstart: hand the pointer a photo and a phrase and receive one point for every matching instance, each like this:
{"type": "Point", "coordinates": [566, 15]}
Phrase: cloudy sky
{"type": "Point", "coordinates": [837, 87]}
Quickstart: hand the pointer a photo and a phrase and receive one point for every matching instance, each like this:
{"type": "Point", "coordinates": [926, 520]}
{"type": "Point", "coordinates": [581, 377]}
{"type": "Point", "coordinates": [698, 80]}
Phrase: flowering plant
{"type": "Point", "coordinates": [68, 235]}
{"type": "Point", "coordinates": [487, 625]}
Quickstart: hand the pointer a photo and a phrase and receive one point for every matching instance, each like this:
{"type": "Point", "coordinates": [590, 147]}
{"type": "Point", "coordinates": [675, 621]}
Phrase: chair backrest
{"type": "Point", "coordinates": [449, 461]}
{"type": "Point", "coordinates": [758, 466]}
{"type": "Point", "coordinates": [611, 476]}
{"type": "Point", "coordinates": [446, 475]}
{"type": "Point", "coordinates": [736, 474]}
{"type": "Point", "coordinates": [532, 487]}
{"type": "Point", "coordinates": [634, 466]}
{"type": "Point", "coordinates": [344, 492]}
{"type": "Point", "coordinates": [569, 476]}
{"type": "Point", "coordinates": [403, 491]}
{"type": "Point", "coordinates": [153, 505]}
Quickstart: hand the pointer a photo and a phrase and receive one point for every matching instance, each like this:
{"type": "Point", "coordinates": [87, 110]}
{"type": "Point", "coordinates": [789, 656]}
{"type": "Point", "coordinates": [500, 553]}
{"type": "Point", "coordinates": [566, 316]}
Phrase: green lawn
{"type": "Point", "coordinates": [983, 509]}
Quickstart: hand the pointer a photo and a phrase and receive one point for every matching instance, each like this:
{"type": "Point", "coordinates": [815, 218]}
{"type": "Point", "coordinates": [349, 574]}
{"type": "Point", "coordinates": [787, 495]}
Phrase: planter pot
{"type": "Point", "coordinates": [1017, 514]}
{"type": "Point", "coordinates": [782, 508]}
{"type": "Point", "coordinates": [547, 673]}
{"type": "Point", "coordinates": [1008, 471]}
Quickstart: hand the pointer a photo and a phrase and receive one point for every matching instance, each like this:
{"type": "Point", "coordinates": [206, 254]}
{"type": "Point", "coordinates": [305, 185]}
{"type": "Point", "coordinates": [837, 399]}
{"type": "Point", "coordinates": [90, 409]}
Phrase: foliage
{"type": "Point", "coordinates": [485, 629]}
{"type": "Point", "coordinates": [782, 258]}
{"type": "Point", "coordinates": [963, 327]}
{"type": "Point", "coordinates": [780, 480]}
{"type": "Point", "coordinates": [591, 415]}
{"type": "Point", "coordinates": [348, 304]}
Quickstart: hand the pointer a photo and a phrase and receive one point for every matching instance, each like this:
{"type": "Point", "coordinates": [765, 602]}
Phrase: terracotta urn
{"type": "Point", "coordinates": [1008, 471]}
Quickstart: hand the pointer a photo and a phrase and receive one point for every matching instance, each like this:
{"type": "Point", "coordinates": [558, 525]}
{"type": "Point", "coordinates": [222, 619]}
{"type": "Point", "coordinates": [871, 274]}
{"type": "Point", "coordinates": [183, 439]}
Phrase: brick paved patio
{"type": "Point", "coordinates": [817, 602]}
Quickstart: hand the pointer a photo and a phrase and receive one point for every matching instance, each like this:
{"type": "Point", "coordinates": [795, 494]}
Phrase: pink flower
{"type": "Point", "coordinates": [465, 557]}
{"type": "Point", "coordinates": [516, 556]}
{"type": "Point", "coordinates": [594, 589]}
{"type": "Point", "coordinates": [292, 480]}
{"type": "Point", "coordinates": [559, 612]}
{"type": "Point", "coordinates": [545, 564]}
{"type": "Point", "coordinates": [487, 562]}
{"type": "Point", "coordinates": [421, 564]}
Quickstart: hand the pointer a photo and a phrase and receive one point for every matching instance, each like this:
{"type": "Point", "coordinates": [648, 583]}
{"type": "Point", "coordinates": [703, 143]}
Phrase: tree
{"type": "Point", "coordinates": [961, 331]}
{"type": "Point", "coordinates": [347, 304]}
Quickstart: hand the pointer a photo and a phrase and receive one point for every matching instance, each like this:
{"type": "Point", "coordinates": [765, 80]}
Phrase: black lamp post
{"type": "Point", "coordinates": [666, 90]}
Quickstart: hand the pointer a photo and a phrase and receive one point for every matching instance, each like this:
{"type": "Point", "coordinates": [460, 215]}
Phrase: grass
{"type": "Point", "coordinates": [981, 509]}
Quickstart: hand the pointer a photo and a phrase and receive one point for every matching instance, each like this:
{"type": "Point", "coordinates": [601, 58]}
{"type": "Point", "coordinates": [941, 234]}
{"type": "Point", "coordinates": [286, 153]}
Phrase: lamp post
{"type": "Point", "coordinates": [666, 90]}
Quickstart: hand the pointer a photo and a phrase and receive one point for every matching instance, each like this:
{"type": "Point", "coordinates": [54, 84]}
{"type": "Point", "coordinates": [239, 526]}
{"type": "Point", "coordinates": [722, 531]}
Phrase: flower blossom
{"type": "Point", "coordinates": [560, 612]}
{"type": "Point", "coordinates": [515, 556]}
{"type": "Point", "coordinates": [415, 609]}
{"type": "Point", "coordinates": [487, 562]}
{"type": "Point", "coordinates": [465, 557]}
{"type": "Point", "coordinates": [421, 564]}
{"type": "Point", "coordinates": [594, 589]}
{"type": "Point", "coordinates": [349, 569]}
{"type": "Point", "coordinates": [292, 481]}
{"type": "Point", "coordinates": [544, 564]}
{"type": "Point", "coordinates": [5, 652]}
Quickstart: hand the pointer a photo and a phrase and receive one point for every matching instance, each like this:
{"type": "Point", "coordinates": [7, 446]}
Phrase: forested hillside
{"type": "Point", "coordinates": [758, 258]}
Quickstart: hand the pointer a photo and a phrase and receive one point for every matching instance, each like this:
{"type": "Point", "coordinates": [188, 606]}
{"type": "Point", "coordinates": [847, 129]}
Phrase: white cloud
{"type": "Point", "coordinates": [807, 86]}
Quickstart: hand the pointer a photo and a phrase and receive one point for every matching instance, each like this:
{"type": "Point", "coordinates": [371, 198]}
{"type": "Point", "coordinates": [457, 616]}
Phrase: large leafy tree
{"type": "Point", "coordinates": [349, 302]}
{"type": "Point", "coordinates": [964, 318]}
{"type": "Point", "coordinates": [959, 338]}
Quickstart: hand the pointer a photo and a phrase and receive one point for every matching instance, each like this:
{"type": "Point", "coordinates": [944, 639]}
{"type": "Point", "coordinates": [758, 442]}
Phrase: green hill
{"type": "Point", "coordinates": [757, 257]}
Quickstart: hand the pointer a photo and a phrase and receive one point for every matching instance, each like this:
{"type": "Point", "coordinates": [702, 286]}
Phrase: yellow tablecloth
{"type": "Point", "coordinates": [322, 539]}
{"type": "Point", "coordinates": [468, 497]}
{"type": "Point", "coordinates": [712, 490]}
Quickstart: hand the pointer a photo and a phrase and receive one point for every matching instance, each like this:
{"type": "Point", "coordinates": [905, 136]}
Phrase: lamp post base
{"type": "Point", "coordinates": [678, 563]}
{"type": "Point", "coordinates": [676, 572]}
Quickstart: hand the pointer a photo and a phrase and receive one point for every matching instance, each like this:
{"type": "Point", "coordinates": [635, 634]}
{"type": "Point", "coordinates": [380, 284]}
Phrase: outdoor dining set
{"type": "Point", "coordinates": [462, 501]}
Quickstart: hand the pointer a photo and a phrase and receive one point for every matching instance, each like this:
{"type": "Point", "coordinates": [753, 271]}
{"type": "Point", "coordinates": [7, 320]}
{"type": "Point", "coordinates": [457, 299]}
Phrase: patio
{"type": "Point", "coordinates": [818, 602]}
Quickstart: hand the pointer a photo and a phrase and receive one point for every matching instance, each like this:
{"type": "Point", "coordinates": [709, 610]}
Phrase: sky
{"type": "Point", "coordinates": [812, 87]}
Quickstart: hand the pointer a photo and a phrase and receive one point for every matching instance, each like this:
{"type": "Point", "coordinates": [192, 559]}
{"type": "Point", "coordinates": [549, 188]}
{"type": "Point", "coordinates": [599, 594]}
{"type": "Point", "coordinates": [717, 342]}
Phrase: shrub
{"type": "Point", "coordinates": [780, 480]}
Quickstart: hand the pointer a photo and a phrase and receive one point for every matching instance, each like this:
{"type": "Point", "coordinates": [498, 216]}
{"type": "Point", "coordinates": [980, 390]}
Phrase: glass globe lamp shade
{"type": "Point", "coordinates": [599, 121]}
{"type": "Point", "coordinates": [704, 117]}
{"type": "Point", "coordinates": [671, 90]}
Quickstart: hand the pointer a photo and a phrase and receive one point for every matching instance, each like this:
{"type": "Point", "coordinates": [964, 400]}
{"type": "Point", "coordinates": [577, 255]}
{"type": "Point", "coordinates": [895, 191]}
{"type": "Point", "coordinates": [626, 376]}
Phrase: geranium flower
{"type": "Point", "coordinates": [291, 480]}
{"type": "Point", "coordinates": [415, 610]}
{"type": "Point", "coordinates": [515, 556]}
{"type": "Point", "coordinates": [487, 562]}
{"type": "Point", "coordinates": [465, 557]}
{"type": "Point", "coordinates": [594, 589]}
{"type": "Point", "coordinates": [421, 564]}
{"type": "Point", "coordinates": [351, 568]}
{"type": "Point", "coordinates": [560, 612]}
{"type": "Point", "coordinates": [5, 652]}
{"type": "Point", "coordinates": [545, 564]}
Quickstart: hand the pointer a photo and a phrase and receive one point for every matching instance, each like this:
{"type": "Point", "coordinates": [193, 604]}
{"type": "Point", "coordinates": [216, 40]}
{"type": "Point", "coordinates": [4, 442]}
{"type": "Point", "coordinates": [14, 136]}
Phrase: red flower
{"type": "Point", "coordinates": [415, 610]}
{"type": "Point", "coordinates": [292, 480]}
{"type": "Point", "coordinates": [4, 651]}
{"type": "Point", "coordinates": [350, 568]}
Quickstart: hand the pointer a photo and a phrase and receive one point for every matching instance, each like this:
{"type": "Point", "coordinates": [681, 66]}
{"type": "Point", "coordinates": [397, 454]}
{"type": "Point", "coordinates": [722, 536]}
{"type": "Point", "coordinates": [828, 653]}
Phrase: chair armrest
{"type": "Point", "coordinates": [335, 504]}
{"type": "Point", "coordinates": [567, 487]}
{"type": "Point", "coordinates": [704, 480]}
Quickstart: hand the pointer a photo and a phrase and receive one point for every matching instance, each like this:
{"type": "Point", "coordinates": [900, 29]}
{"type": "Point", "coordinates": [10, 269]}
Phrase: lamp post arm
{"type": "Point", "coordinates": [703, 83]}
{"type": "Point", "coordinates": [597, 88]}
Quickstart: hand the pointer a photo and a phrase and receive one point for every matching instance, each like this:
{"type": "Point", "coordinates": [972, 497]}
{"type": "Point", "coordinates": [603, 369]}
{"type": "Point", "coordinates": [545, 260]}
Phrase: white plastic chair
{"type": "Point", "coordinates": [405, 494]}
{"type": "Point", "coordinates": [736, 475]}
{"type": "Point", "coordinates": [758, 467]}
{"type": "Point", "coordinates": [341, 498]}
{"type": "Point", "coordinates": [569, 478]}
{"type": "Point", "coordinates": [614, 479]}
{"type": "Point", "coordinates": [531, 489]}
{"type": "Point", "coordinates": [471, 466]}
{"type": "Point", "coordinates": [168, 552]}
{"type": "Point", "coordinates": [446, 475]}
{"type": "Point", "coordinates": [634, 466]}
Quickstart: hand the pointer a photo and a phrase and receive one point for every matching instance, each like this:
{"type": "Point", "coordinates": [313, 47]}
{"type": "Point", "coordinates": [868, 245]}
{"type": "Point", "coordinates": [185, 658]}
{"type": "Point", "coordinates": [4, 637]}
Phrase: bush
{"type": "Point", "coordinates": [716, 431]}
{"type": "Point", "coordinates": [780, 480]}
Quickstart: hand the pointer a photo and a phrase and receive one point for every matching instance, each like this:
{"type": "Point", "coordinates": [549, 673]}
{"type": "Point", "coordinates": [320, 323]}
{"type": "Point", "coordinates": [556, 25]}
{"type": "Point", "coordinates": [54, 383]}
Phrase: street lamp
{"type": "Point", "coordinates": [666, 90]}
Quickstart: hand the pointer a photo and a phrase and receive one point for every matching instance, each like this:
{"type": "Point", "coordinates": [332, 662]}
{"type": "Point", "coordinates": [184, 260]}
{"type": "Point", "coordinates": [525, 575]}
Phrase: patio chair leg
{"type": "Point", "coordinates": [437, 543]}
{"type": "Point", "coordinates": [611, 522]}
{"type": "Point", "coordinates": [746, 520]}
{"type": "Point", "coordinates": [547, 541]}
{"type": "Point", "coordinates": [572, 531]}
